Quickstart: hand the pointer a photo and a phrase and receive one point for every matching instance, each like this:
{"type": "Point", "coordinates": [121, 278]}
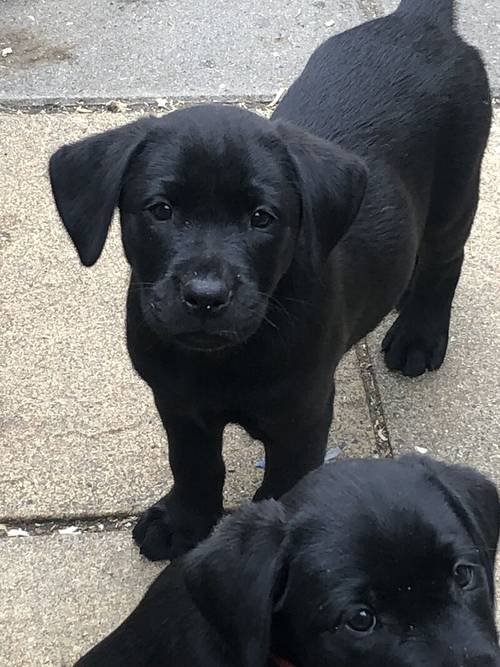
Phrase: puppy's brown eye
{"type": "Point", "coordinates": [464, 575]}
{"type": "Point", "coordinates": [262, 218]}
{"type": "Point", "coordinates": [161, 211]}
{"type": "Point", "coordinates": [361, 620]}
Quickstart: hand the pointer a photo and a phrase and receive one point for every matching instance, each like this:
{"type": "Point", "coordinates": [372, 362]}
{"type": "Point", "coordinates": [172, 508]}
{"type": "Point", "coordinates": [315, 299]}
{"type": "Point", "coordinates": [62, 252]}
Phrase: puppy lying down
{"type": "Point", "coordinates": [364, 563]}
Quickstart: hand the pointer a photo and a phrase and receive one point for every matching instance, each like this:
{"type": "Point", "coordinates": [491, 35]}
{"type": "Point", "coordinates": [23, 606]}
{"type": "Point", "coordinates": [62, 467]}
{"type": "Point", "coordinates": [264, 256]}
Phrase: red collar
{"type": "Point", "coordinates": [281, 662]}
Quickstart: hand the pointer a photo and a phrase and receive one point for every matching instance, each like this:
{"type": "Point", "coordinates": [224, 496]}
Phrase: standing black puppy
{"type": "Point", "coordinates": [262, 250]}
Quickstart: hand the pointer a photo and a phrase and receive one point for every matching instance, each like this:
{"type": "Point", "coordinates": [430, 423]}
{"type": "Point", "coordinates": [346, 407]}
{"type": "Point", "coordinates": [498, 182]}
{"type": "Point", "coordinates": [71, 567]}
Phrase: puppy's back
{"type": "Point", "coordinates": [391, 82]}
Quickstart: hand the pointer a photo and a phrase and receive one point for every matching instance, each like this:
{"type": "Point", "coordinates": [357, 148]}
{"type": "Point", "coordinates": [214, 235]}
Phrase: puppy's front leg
{"type": "Point", "coordinates": [186, 515]}
{"type": "Point", "coordinates": [293, 449]}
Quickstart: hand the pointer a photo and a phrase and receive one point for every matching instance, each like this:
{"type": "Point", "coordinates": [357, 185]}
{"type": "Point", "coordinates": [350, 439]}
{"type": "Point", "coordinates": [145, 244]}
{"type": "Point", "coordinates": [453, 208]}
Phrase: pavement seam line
{"type": "Point", "coordinates": [126, 104]}
{"type": "Point", "coordinates": [378, 421]}
{"type": "Point", "coordinates": [18, 528]}
{"type": "Point", "coordinates": [78, 525]}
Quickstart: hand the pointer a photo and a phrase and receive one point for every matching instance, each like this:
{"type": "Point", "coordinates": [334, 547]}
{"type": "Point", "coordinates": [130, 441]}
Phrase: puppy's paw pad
{"type": "Point", "coordinates": [414, 349]}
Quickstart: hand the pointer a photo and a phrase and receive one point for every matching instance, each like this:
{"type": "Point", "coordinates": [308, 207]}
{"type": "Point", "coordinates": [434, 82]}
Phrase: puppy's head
{"type": "Point", "coordinates": [376, 564]}
{"type": "Point", "coordinates": [216, 204]}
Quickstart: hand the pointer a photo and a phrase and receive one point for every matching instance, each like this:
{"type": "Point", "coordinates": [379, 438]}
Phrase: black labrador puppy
{"type": "Point", "coordinates": [363, 564]}
{"type": "Point", "coordinates": [261, 250]}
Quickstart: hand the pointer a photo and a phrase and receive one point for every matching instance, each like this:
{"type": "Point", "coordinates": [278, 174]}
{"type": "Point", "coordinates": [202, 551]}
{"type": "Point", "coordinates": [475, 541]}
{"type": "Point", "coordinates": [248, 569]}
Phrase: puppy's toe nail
{"type": "Point", "coordinates": [139, 531]}
{"type": "Point", "coordinates": [437, 355]}
{"type": "Point", "coordinates": [386, 342]}
{"type": "Point", "coordinates": [415, 363]}
{"type": "Point", "coordinates": [155, 545]}
{"type": "Point", "coordinates": [394, 359]}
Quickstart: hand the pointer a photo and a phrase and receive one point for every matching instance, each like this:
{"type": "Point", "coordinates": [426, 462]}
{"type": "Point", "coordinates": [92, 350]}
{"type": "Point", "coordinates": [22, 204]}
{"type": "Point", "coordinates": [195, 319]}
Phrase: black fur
{"type": "Point", "coordinates": [440, 11]}
{"type": "Point", "coordinates": [284, 578]}
{"type": "Point", "coordinates": [371, 160]}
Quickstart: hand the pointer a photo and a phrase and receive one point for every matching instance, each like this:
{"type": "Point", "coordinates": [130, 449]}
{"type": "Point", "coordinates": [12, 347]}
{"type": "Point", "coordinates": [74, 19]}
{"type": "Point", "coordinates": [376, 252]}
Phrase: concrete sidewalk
{"type": "Point", "coordinates": [82, 450]}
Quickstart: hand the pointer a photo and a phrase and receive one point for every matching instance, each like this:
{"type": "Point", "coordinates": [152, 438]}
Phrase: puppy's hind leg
{"type": "Point", "coordinates": [418, 339]}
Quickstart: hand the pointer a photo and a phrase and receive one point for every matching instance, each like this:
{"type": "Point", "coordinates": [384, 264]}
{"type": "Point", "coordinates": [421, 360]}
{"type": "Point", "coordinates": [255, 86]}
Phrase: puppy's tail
{"type": "Point", "coordinates": [440, 11]}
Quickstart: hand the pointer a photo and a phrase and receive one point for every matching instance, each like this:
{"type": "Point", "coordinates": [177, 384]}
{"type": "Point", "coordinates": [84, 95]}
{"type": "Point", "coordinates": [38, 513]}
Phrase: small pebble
{"type": "Point", "coordinates": [115, 106]}
{"type": "Point", "coordinates": [17, 532]}
{"type": "Point", "coordinates": [70, 530]}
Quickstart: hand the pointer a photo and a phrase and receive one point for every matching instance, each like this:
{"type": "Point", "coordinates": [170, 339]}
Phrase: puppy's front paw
{"type": "Point", "coordinates": [168, 529]}
{"type": "Point", "coordinates": [415, 345]}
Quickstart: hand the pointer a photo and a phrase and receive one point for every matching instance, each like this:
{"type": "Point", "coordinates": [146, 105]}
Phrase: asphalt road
{"type": "Point", "coordinates": [105, 49]}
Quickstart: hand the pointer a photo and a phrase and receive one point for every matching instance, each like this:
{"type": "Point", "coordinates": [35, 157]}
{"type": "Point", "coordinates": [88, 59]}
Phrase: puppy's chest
{"type": "Point", "coordinates": [233, 393]}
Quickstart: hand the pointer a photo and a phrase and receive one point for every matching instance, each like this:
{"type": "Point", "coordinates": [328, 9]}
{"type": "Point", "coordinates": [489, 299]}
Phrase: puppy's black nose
{"type": "Point", "coordinates": [206, 294]}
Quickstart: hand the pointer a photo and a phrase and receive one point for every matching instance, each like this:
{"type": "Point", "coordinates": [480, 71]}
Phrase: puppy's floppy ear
{"type": "Point", "coordinates": [331, 182]}
{"type": "Point", "coordinates": [86, 179]}
{"type": "Point", "coordinates": [474, 499]}
{"type": "Point", "coordinates": [233, 578]}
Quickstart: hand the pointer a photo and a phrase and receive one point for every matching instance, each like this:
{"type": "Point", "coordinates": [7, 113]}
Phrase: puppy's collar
{"type": "Point", "coordinates": [281, 662]}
